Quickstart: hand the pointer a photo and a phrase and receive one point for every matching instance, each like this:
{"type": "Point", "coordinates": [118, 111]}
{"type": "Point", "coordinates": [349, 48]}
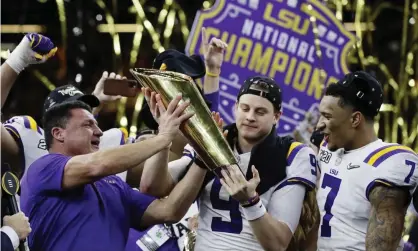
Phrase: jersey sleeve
{"type": "Point", "coordinates": [301, 166]}
{"type": "Point", "coordinates": [46, 173]}
{"type": "Point", "coordinates": [113, 138]}
{"type": "Point", "coordinates": [288, 212]}
{"type": "Point", "coordinates": [393, 166]}
{"type": "Point", "coordinates": [19, 125]}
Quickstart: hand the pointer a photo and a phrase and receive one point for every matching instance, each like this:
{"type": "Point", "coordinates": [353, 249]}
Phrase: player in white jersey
{"type": "Point", "coordinates": [366, 184]}
{"type": "Point", "coordinates": [22, 138]}
{"type": "Point", "coordinates": [264, 216]}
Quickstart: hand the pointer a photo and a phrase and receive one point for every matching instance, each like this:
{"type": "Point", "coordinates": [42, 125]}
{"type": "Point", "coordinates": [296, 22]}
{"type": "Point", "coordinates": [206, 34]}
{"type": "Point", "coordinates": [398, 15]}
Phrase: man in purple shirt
{"type": "Point", "coordinates": [72, 198]}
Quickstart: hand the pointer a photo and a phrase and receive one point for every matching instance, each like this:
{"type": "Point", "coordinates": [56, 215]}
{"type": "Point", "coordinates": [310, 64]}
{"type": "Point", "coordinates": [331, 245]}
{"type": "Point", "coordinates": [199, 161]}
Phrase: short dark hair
{"type": "Point", "coordinates": [338, 91]}
{"type": "Point", "coordinates": [58, 116]}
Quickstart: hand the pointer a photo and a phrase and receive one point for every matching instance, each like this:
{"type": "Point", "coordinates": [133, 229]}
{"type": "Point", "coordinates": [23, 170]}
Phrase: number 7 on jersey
{"type": "Point", "coordinates": [333, 183]}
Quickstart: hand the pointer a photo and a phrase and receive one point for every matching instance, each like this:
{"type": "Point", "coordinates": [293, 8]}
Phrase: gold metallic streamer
{"type": "Point", "coordinates": [44, 80]}
{"type": "Point", "coordinates": [120, 115]}
{"type": "Point", "coordinates": [63, 23]}
{"type": "Point", "coordinates": [134, 55]}
{"type": "Point", "coordinates": [154, 35]}
{"type": "Point", "coordinates": [357, 25]}
{"type": "Point", "coordinates": [111, 23]}
{"type": "Point", "coordinates": [136, 43]}
{"type": "Point", "coordinates": [399, 95]}
{"type": "Point", "coordinates": [169, 27]}
{"type": "Point", "coordinates": [339, 12]}
{"type": "Point", "coordinates": [382, 6]}
{"type": "Point", "coordinates": [183, 22]}
{"type": "Point", "coordinates": [317, 43]}
{"type": "Point", "coordinates": [138, 107]}
{"type": "Point", "coordinates": [164, 12]}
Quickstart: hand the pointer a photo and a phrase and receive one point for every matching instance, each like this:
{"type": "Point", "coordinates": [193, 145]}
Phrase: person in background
{"type": "Point", "coordinates": [316, 139]}
{"type": "Point", "coordinates": [306, 128]}
{"type": "Point", "coordinates": [22, 138]}
{"type": "Point", "coordinates": [14, 229]}
{"type": "Point", "coordinates": [33, 49]}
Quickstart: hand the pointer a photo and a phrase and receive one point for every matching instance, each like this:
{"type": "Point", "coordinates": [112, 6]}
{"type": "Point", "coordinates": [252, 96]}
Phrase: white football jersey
{"type": "Point", "coordinates": [113, 138]}
{"type": "Point", "coordinates": [29, 136]}
{"type": "Point", "coordinates": [31, 139]}
{"type": "Point", "coordinates": [222, 225]}
{"type": "Point", "coordinates": [347, 177]}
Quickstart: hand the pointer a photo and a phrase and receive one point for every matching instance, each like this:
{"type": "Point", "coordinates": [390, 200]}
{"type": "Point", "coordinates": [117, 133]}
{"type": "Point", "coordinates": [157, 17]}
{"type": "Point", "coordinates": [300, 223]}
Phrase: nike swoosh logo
{"type": "Point", "coordinates": [350, 166]}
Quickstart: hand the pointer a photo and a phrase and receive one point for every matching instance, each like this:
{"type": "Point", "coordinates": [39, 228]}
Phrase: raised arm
{"type": "Point", "coordinates": [8, 77]}
{"type": "Point", "coordinates": [387, 217]}
{"type": "Point", "coordinates": [158, 176]}
{"type": "Point", "coordinates": [99, 91]}
{"type": "Point", "coordinates": [213, 52]}
{"type": "Point", "coordinates": [33, 49]}
{"type": "Point", "coordinates": [155, 179]}
{"type": "Point", "coordinates": [175, 206]}
{"type": "Point", "coordinates": [86, 168]}
{"type": "Point", "coordinates": [83, 169]}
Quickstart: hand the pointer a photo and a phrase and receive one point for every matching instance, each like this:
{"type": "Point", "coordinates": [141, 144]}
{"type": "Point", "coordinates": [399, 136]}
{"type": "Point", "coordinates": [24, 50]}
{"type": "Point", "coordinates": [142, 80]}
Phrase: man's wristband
{"type": "Point", "coordinates": [251, 202]}
{"type": "Point", "coordinates": [254, 212]}
{"type": "Point", "coordinates": [212, 74]}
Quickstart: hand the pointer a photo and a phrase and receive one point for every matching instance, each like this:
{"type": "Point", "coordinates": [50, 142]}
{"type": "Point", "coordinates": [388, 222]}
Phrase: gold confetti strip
{"type": "Point", "coordinates": [120, 115]}
{"type": "Point", "coordinates": [138, 107]}
{"type": "Point", "coordinates": [183, 22]}
{"type": "Point", "coordinates": [44, 80]}
{"type": "Point", "coordinates": [136, 43]}
{"type": "Point", "coordinates": [312, 18]}
{"type": "Point", "coordinates": [63, 23]}
{"type": "Point", "coordinates": [148, 26]}
{"type": "Point", "coordinates": [169, 27]}
{"type": "Point", "coordinates": [111, 24]}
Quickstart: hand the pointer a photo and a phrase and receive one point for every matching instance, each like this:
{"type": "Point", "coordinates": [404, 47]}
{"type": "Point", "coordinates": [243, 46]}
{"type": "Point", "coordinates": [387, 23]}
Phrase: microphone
{"type": "Point", "coordinates": [10, 185]}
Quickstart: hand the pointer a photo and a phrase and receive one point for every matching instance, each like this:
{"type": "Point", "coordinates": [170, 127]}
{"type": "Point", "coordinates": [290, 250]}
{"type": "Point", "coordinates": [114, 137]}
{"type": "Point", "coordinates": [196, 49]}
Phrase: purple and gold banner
{"type": "Point", "coordinates": [276, 38]}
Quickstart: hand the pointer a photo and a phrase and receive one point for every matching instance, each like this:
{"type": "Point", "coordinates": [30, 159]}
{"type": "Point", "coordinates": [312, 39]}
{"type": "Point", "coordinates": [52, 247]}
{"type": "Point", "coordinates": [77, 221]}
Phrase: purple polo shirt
{"type": "Point", "coordinates": [91, 217]}
{"type": "Point", "coordinates": [214, 99]}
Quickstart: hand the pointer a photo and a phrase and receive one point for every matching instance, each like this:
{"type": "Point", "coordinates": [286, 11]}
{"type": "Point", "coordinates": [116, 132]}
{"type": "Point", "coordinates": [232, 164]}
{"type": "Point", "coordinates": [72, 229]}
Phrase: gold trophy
{"type": "Point", "coordinates": [201, 130]}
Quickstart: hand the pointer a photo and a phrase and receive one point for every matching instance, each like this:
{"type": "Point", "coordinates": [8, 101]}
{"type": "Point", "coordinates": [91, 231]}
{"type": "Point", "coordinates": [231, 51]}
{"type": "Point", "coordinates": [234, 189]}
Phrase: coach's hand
{"type": "Point", "coordinates": [171, 118]}
{"type": "Point", "coordinates": [237, 186]}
